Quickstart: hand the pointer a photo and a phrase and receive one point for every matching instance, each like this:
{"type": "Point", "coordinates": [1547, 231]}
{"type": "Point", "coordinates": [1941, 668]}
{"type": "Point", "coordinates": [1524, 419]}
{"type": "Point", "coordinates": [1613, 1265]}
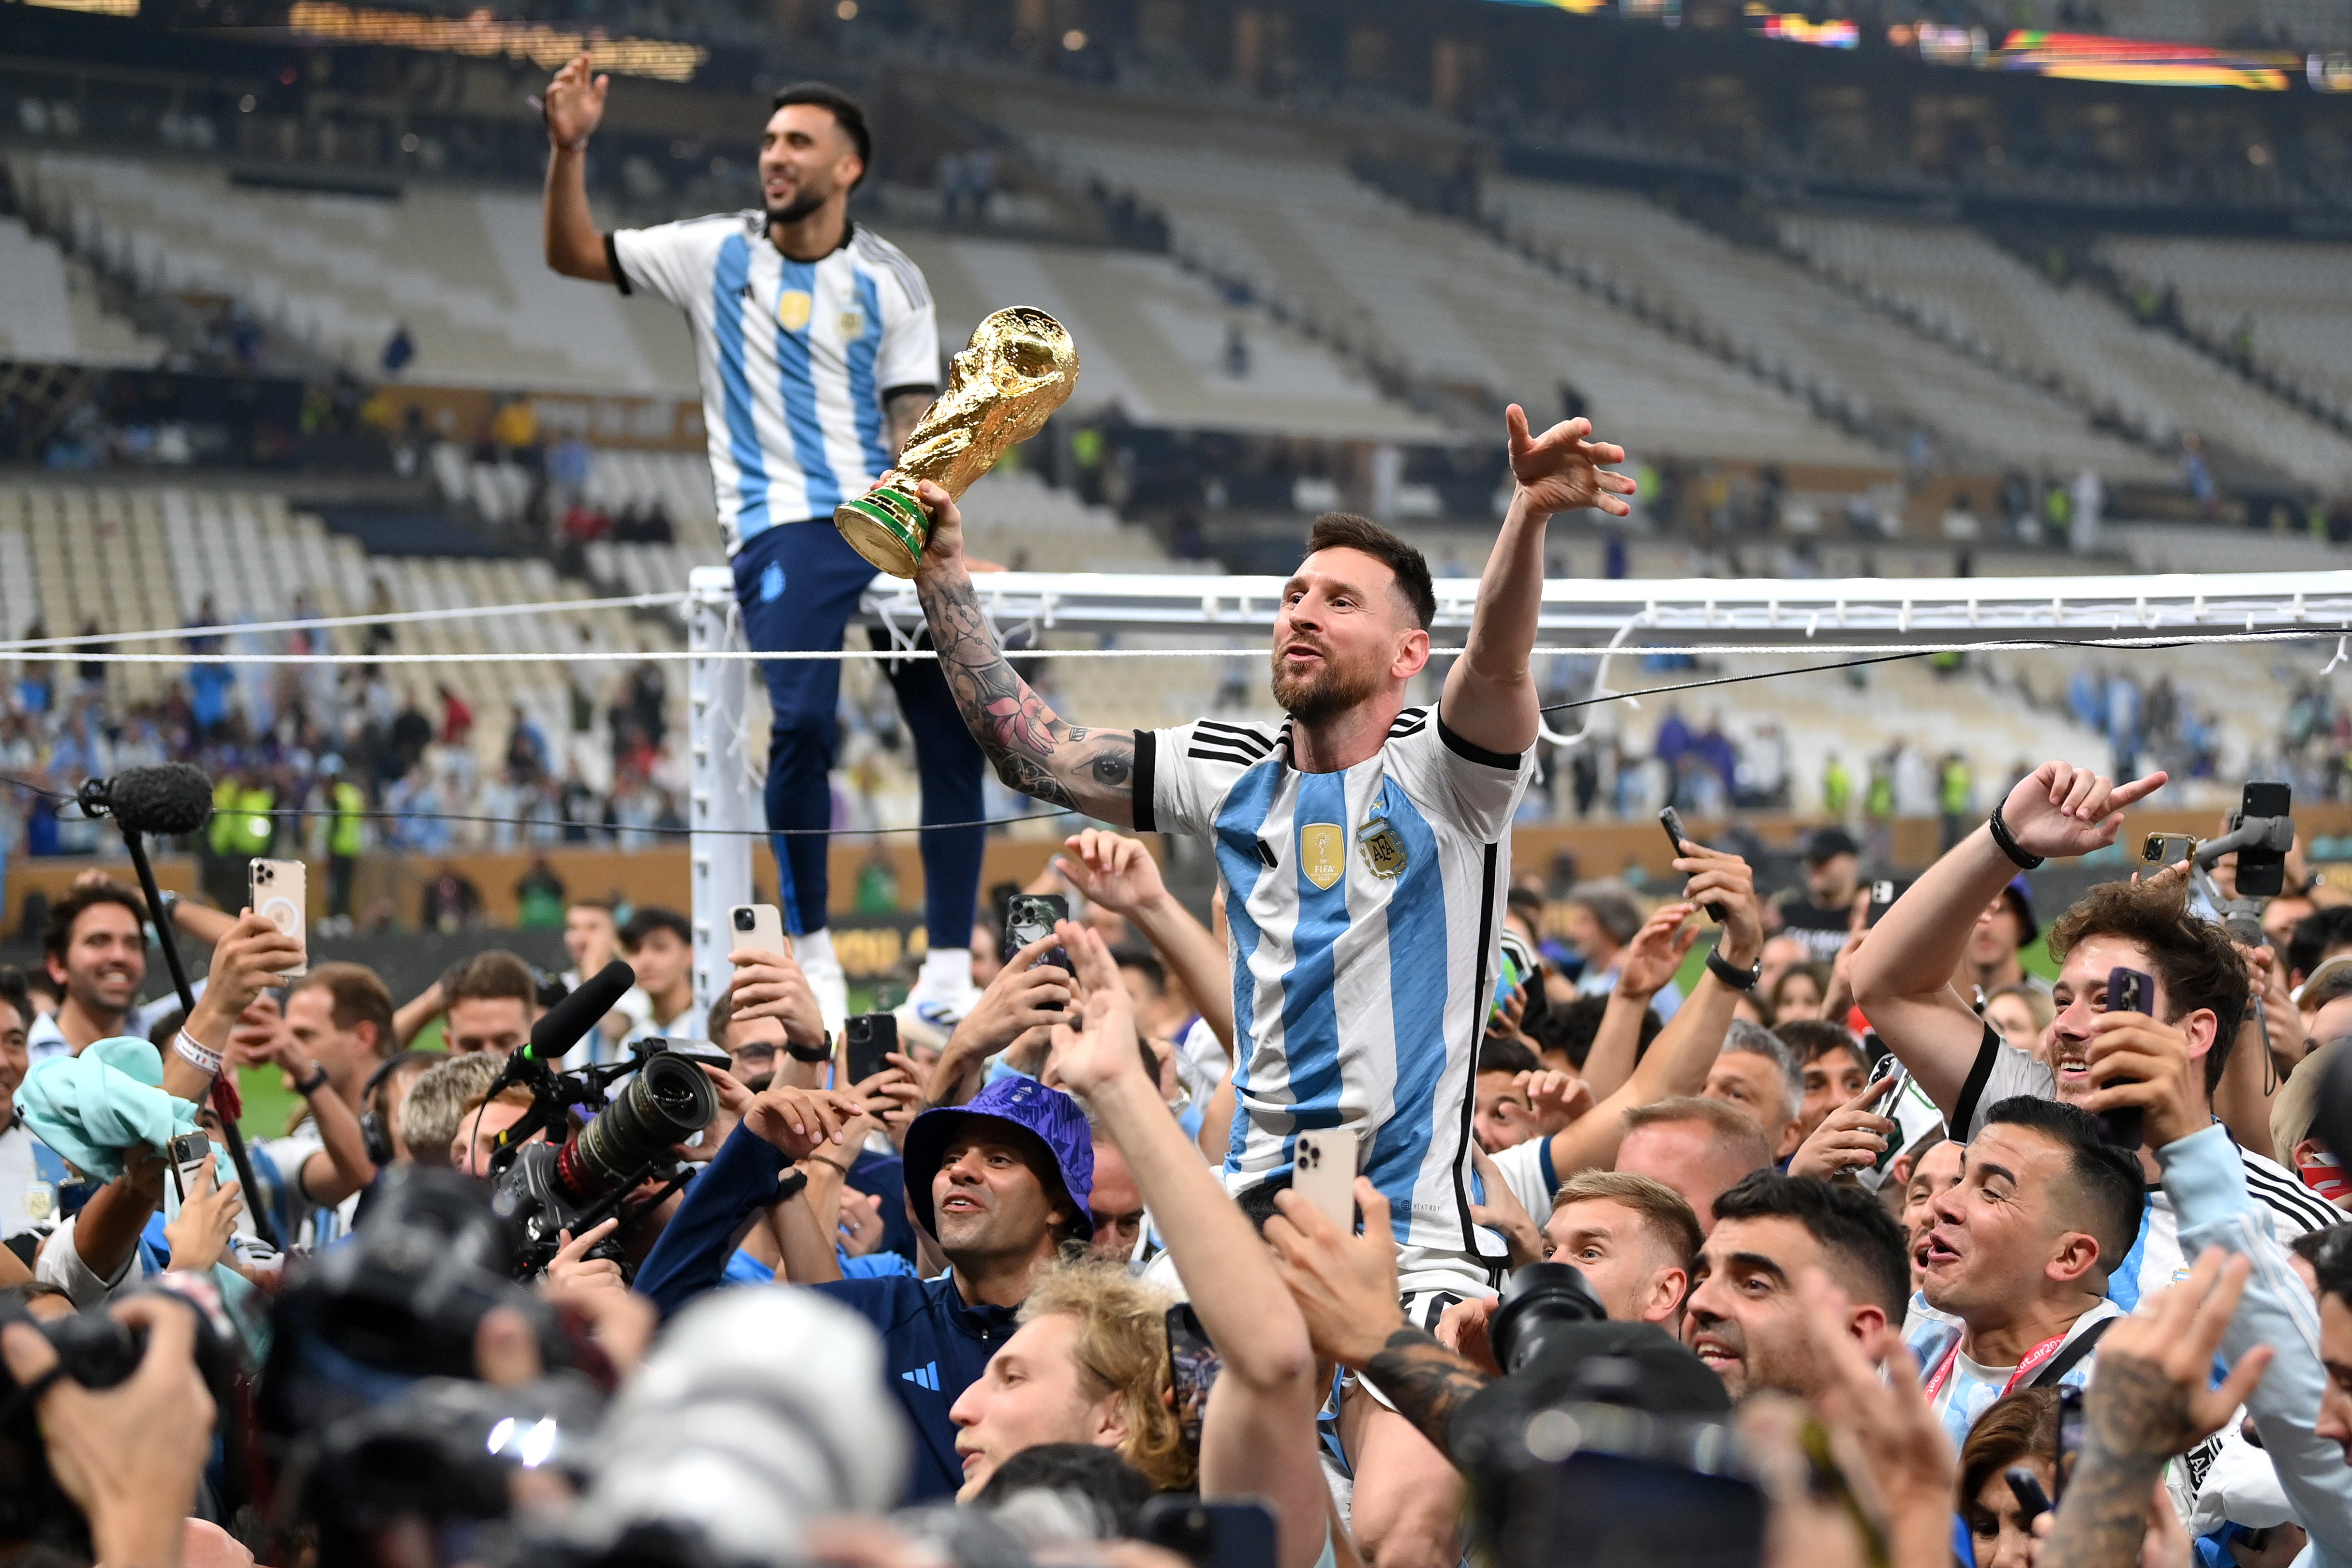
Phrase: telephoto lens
{"type": "Point", "coordinates": [1538, 1298]}
{"type": "Point", "coordinates": [669, 1098]}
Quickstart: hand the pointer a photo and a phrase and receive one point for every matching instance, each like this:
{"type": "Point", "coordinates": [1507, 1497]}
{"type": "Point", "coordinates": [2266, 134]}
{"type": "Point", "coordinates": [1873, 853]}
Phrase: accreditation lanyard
{"type": "Point", "coordinates": [2025, 1368]}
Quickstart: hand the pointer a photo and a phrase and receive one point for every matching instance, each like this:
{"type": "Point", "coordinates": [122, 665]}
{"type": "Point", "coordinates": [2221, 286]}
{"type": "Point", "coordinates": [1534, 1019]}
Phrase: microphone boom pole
{"type": "Point", "coordinates": [169, 807]}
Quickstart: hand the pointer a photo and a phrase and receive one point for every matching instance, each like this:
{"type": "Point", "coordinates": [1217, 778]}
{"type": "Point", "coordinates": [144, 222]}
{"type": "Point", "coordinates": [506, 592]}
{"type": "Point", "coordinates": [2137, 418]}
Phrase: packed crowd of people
{"type": "Point", "coordinates": [1375, 1220]}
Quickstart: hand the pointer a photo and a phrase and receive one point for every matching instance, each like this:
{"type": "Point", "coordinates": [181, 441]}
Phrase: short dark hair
{"type": "Point", "coordinates": [2331, 1260]}
{"type": "Point", "coordinates": [2193, 958]}
{"type": "Point", "coordinates": [1850, 1224]}
{"type": "Point", "coordinates": [355, 995]}
{"type": "Point", "coordinates": [1570, 1026]}
{"type": "Point", "coordinates": [2107, 1187]}
{"type": "Point", "coordinates": [2312, 936]}
{"type": "Point", "coordinates": [1116, 1490]}
{"type": "Point", "coordinates": [15, 993]}
{"type": "Point", "coordinates": [495, 974]}
{"type": "Point", "coordinates": [57, 934]}
{"type": "Point", "coordinates": [647, 919]}
{"type": "Point", "coordinates": [1810, 1039]}
{"type": "Point", "coordinates": [1147, 963]}
{"type": "Point", "coordinates": [1346, 530]}
{"type": "Point", "coordinates": [1528, 901]}
{"type": "Point", "coordinates": [1500, 1055]}
{"type": "Point", "coordinates": [847, 112]}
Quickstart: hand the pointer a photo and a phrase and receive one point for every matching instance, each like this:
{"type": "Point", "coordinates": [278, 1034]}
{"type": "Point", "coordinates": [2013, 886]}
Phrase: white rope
{"type": "Point", "coordinates": [2184, 637]}
{"type": "Point", "coordinates": [378, 619]}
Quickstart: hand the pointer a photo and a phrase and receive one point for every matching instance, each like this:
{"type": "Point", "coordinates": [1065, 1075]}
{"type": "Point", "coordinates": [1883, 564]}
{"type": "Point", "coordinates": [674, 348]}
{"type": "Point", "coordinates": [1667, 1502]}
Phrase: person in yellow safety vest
{"type": "Point", "coordinates": [1837, 788]}
{"type": "Point", "coordinates": [242, 824]}
{"type": "Point", "coordinates": [1957, 799]}
{"type": "Point", "coordinates": [346, 837]}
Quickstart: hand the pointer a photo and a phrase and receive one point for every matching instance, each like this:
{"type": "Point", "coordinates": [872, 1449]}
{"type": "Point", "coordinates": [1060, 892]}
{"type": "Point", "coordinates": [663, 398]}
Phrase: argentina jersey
{"type": "Point", "coordinates": [797, 359]}
{"type": "Point", "coordinates": [1365, 909]}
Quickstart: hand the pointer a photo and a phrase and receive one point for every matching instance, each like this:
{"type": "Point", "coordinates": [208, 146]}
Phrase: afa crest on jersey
{"type": "Point", "coordinates": [1383, 848]}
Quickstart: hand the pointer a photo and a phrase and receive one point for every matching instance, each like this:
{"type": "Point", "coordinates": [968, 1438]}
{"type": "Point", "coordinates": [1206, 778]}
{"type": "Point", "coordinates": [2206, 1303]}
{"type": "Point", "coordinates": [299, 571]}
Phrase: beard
{"type": "Point", "coordinates": [799, 207]}
{"type": "Point", "coordinates": [1325, 695]}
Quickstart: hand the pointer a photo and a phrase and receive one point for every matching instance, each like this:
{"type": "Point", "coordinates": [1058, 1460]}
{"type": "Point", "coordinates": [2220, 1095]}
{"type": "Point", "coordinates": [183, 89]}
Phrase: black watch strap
{"type": "Point", "coordinates": [820, 1052]}
{"type": "Point", "coordinates": [1730, 974]}
{"type": "Point", "coordinates": [314, 1083]}
{"type": "Point", "coordinates": [2000, 835]}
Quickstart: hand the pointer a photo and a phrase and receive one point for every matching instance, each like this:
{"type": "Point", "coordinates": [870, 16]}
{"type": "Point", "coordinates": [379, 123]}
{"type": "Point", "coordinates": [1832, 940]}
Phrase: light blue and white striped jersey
{"type": "Point", "coordinates": [1366, 914]}
{"type": "Point", "coordinates": [797, 359]}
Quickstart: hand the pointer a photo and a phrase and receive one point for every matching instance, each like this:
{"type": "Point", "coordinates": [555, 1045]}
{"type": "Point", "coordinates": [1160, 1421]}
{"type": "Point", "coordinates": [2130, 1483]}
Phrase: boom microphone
{"type": "Point", "coordinates": [564, 1025]}
{"type": "Point", "coordinates": [167, 800]}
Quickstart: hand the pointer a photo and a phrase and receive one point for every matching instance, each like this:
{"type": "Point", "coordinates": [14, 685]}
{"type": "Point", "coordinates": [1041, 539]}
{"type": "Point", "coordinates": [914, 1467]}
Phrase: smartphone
{"type": "Point", "coordinates": [1323, 1172]}
{"type": "Point", "coordinates": [1192, 1367]}
{"type": "Point", "coordinates": [2262, 873]}
{"type": "Point", "coordinates": [2070, 1439]}
{"type": "Point", "coordinates": [279, 892]}
{"type": "Point", "coordinates": [1885, 1104]}
{"type": "Point", "coordinates": [2032, 1503]}
{"type": "Point", "coordinates": [866, 1040]}
{"type": "Point", "coordinates": [1031, 917]}
{"type": "Point", "coordinates": [760, 926]}
{"type": "Point", "coordinates": [1231, 1534]}
{"type": "Point", "coordinates": [1672, 821]}
{"type": "Point", "coordinates": [2129, 991]}
{"type": "Point", "coordinates": [189, 1153]}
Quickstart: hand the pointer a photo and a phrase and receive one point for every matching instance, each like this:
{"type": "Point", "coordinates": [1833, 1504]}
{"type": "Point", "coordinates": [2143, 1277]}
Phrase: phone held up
{"type": "Point", "coordinates": [757, 926]}
{"type": "Point", "coordinates": [867, 1041]}
{"type": "Point", "coordinates": [1192, 1368]}
{"type": "Point", "coordinates": [2129, 991]}
{"type": "Point", "coordinates": [1672, 821]}
{"type": "Point", "coordinates": [278, 890]}
{"type": "Point", "coordinates": [1030, 918]}
{"type": "Point", "coordinates": [1323, 1172]}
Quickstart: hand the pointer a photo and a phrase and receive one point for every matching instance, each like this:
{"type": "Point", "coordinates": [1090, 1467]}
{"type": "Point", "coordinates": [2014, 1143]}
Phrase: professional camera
{"type": "Point", "coordinates": [98, 1350]}
{"type": "Point", "coordinates": [1604, 1443]}
{"type": "Point", "coordinates": [399, 1301]}
{"type": "Point", "coordinates": [548, 1189]}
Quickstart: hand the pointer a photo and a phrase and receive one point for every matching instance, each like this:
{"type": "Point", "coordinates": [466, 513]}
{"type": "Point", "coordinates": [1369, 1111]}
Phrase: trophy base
{"type": "Point", "coordinates": [888, 527]}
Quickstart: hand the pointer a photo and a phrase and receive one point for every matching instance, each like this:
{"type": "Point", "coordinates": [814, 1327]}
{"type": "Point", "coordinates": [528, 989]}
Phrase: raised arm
{"type": "Point", "coordinates": [1490, 694]}
{"type": "Point", "coordinates": [1257, 1436]}
{"type": "Point", "coordinates": [1027, 742]}
{"type": "Point", "coordinates": [1120, 875]}
{"type": "Point", "coordinates": [1678, 1060]}
{"type": "Point", "coordinates": [1903, 970]}
{"type": "Point", "coordinates": [576, 102]}
{"type": "Point", "coordinates": [1648, 961]}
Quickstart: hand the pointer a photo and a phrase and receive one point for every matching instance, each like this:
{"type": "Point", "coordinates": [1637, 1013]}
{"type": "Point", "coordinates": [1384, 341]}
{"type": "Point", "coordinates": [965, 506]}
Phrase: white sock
{"type": "Point", "coordinates": [947, 968]}
{"type": "Point", "coordinates": [814, 948]}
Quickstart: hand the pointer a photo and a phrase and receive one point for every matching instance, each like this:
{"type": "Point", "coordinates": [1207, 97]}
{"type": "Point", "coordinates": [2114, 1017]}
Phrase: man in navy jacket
{"type": "Point", "coordinates": [1000, 1185]}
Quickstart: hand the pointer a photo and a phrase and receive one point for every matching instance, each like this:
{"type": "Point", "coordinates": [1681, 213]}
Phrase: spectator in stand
{"type": "Point", "coordinates": [1823, 916]}
{"type": "Point", "coordinates": [452, 902]}
{"type": "Point", "coordinates": [661, 947]}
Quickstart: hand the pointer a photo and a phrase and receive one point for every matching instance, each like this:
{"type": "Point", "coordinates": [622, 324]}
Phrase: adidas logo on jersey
{"type": "Point", "coordinates": [924, 1376]}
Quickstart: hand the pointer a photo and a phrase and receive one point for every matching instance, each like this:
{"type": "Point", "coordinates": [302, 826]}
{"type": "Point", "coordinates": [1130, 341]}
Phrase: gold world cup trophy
{"type": "Point", "coordinates": [1018, 368]}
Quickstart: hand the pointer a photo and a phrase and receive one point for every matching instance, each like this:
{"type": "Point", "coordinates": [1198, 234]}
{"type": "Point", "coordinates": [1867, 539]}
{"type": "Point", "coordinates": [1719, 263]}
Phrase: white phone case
{"type": "Point", "coordinates": [1323, 1172]}
{"type": "Point", "coordinates": [280, 894]}
{"type": "Point", "coordinates": [764, 930]}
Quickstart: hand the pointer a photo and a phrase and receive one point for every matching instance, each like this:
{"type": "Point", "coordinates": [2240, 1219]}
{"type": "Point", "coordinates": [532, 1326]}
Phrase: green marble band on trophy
{"type": "Point", "coordinates": [1018, 368]}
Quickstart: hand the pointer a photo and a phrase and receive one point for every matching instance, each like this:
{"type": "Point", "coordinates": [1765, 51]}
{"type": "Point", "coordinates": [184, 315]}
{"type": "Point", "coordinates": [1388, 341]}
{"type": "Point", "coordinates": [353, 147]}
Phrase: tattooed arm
{"type": "Point", "coordinates": [1030, 746]}
{"type": "Point", "coordinates": [1426, 1382]}
{"type": "Point", "coordinates": [901, 412]}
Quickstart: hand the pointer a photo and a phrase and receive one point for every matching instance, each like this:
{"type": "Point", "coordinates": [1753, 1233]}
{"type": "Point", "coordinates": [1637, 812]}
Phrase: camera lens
{"type": "Point", "coordinates": [667, 1099]}
{"type": "Point", "coordinates": [743, 921]}
{"type": "Point", "coordinates": [1540, 1298]}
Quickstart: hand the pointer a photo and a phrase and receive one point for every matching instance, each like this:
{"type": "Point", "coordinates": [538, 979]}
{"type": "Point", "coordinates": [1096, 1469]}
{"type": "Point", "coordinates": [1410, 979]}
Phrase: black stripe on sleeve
{"type": "Point", "coordinates": [613, 261]}
{"type": "Point", "coordinates": [1964, 1110]}
{"type": "Point", "coordinates": [1479, 754]}
{"type": "Point", "coordinates": [1146, 746]}
{"type": "Point", "coordinates": [925, 387]}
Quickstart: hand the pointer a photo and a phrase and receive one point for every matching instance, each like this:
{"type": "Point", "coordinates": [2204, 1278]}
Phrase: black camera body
{"type": "Point", "coordinates": [547, 1188]}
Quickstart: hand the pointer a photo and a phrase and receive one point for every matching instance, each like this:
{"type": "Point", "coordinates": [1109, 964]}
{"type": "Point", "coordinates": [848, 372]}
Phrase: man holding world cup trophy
{"type": "Point", "coordinates": [817, 351]}
{"type": "Point", "coordinates": [1361, 842]}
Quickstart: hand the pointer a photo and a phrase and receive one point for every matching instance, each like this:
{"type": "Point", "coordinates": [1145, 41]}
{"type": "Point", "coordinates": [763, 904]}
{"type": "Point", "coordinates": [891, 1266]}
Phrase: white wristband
{"type": "Point", "coordinates": [197, 1054]}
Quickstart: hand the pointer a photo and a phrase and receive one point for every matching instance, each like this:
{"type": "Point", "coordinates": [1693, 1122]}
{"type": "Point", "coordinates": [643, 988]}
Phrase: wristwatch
{"type": "Point", "coordinates": [1730, 974]}
{"type": "Point", "coordinates": [820, 1052]}
{"type": "Point", "coordinates": [314, 1083]}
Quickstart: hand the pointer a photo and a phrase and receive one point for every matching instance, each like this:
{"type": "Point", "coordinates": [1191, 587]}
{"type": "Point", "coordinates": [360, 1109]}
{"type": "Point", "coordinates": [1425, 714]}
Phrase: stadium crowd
{"type": "Point", "coordinates": [1843, 1238]}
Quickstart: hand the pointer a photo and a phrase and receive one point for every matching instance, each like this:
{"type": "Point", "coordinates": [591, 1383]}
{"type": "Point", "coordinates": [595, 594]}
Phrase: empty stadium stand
{"type": "Point", "coordinates": [1272, 204]}
{"type": "Point", "coordinates": [49, 309]}
{"type": "Point", "coordinates": [1956, 274]}
{"type": "Point", "coordinates": [2291, 293]}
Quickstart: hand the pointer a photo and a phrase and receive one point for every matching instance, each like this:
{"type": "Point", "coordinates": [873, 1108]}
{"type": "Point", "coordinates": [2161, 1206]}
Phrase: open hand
{"type": "Point", "coordinates": [2150, 1397]}
{"type": "Point", "coordinates": [1562, 470]}
{"type": "Point", "coordinates": [575, 103]}
{"type": "Point", "coordinates": [1646, 964]}
{"type": "Point", "coordinates": [1117, 872]}
{"type": "Point", "coordinates": [2059, 809]}
{"type": "Point", "coordinates": [1102, 1050]}
{"type": "Point", "coordinates": [1555, 1099]}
